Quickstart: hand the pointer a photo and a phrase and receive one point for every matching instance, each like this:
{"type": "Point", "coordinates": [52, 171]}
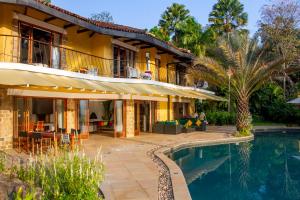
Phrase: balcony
{"type": "Point", "coordinates": [18, 49]}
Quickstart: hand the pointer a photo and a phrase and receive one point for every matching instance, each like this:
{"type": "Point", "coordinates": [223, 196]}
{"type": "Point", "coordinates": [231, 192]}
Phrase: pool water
{"type": "Point", "coordinates": [267, 168]}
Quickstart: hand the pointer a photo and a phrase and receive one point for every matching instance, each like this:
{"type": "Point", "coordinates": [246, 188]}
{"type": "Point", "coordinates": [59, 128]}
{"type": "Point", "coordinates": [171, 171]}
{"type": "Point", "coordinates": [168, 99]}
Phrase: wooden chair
{"type": "Point", "coordinates": [40, 126]}
{"type": "Point", "coordinates": [77, 137]}
{"type": "Point", "coordinates": [65, 141]}
{"type": "Point", "coordinates": [23, 141]}
{"type": "Point", "coordinates": [39, 142]}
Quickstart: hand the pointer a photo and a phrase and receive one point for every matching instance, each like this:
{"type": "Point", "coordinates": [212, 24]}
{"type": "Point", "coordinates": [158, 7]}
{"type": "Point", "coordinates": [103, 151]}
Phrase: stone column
{"type": "Point", "coordinates": [129, 118]}
{"type": "Point", "coordinates": [71, 114]}
{"type": "Point", "coordinates": [6, 120]}
{"type": "Point", "coordinates": [191, 107]}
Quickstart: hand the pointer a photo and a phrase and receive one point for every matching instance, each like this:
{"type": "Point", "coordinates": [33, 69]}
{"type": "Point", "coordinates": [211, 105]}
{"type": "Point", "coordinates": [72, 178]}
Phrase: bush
{"type": "Point", "coordinates": [221, 118]}
{"type": "Point", "coordinates": [68, 175]}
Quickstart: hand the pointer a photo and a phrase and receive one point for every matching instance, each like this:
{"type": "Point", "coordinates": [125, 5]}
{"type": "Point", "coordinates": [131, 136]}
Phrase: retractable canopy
{"type": "Point", "coordinates": [41, 80]}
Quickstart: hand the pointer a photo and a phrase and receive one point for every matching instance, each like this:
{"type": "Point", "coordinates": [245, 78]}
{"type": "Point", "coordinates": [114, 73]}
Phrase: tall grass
{"type": "Point", "coordinates": [64, 175]}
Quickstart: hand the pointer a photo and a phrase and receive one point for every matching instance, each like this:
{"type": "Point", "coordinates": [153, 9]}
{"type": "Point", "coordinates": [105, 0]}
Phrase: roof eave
{"type": "Point", "coordinates": [106, 31]}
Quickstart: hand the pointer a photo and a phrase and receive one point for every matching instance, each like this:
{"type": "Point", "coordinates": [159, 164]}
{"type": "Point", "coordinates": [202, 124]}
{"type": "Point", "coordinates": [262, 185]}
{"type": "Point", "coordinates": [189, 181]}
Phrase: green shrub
{"type": "Point", "coordinates": [221, 118]}
{"type": "Point", "coordinates": [2, 162]}
{"type": "Point", "coordinates": [68, 175]}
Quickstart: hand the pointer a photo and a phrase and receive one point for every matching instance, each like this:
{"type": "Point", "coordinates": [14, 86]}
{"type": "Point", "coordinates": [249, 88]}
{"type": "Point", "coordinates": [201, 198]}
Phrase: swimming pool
{"type": "Point", "coordinates": [266, 168]}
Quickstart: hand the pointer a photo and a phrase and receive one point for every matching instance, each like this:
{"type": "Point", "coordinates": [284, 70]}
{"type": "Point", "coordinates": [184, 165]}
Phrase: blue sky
{"type": "Point", "coordinates": [146, 13]}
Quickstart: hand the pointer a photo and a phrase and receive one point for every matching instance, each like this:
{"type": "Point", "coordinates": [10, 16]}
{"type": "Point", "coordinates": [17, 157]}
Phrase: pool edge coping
{"type": "Point", "coordinates": [179, 185]}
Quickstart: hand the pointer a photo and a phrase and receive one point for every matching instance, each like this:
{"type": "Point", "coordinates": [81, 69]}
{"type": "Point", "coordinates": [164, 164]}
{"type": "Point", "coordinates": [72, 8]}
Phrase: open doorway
{"type": "Point", "coordinates": [144, 116]}
{"type": "Point", "coordinates": [107, 117]}
{"type": "Point", "coordinates": [101, 117]}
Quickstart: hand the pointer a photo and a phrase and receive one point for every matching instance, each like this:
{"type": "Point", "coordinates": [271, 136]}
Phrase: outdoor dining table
{"type": "Point", "coordinates": [55, 137]}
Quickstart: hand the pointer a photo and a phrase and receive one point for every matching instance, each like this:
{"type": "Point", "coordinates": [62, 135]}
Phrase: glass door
{"type": "Point", "coordinates": [60, 109]}
{"type": "Point", "coordinates": [83, 116]}
{"type": "Point", "coordinates": [119, 118]}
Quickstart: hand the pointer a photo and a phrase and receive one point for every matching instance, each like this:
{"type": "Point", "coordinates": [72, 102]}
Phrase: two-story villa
{"type": "Point", "coordinates": [64, 71]}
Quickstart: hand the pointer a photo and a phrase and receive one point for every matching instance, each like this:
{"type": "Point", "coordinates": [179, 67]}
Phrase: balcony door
{"type": "Point", "coordinates": [123, 58]}
{"type": "Point", "coordinates": [39, 47]}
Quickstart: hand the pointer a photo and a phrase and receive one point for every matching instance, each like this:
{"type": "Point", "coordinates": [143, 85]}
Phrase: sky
{"type": "Point", "coordinates": [146, 13]}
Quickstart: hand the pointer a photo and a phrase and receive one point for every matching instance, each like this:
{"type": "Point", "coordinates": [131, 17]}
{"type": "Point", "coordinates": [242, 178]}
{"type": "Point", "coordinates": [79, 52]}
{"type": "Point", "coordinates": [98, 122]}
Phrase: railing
{"type": "Point", "coordinates": [24, 50]}
{"type": "Point", "coordinates": [19, 49]}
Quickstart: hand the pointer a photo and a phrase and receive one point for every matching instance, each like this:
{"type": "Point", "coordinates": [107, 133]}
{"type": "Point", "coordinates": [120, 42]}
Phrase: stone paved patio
{"type": "Point", "coordinates": [130, 173]}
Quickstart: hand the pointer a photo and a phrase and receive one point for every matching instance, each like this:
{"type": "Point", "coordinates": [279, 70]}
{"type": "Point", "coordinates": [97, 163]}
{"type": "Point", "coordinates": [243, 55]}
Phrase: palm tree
{"type": "Point", "coordinates": [174, 15]}
{"type": "Point", "coordinates": [227, 16]}
{"type": "Point", "coordinates": [242, 62]}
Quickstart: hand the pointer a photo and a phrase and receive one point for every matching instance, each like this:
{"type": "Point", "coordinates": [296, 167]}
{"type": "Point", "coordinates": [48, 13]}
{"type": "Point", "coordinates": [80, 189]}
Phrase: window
{"type": "Point", "coordinates": [180, 75]}
{"type": "Point", "coordinates": [39, 46]}
{"type": "Point", "coordinates": [123, 58]}
{"type": "Point", "coordinates": [147, 61]}
{"type": "Point", "coordinates": [157, 67]}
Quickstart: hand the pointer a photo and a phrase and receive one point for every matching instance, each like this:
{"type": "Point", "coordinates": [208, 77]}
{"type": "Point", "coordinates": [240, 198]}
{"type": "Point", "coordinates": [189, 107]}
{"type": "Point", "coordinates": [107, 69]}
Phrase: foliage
{"type": "Point", "coordinates": [2, 162]}
{"type": "Point", "coordinates": [29, 195]}
{"type": "Point", "coordinates": [68, 175]}
{"type": "Point", "coordinates": [46, 1]}
{"type": "Point", "coordinates": [170, 19]}
{"type": "Point", "coordinates": [191, 36]}
{"type": "Point", "coordinates": [221, 118]}
{"type": "Point", "coordinates": [103, 16]}
{"type": "Point", "coordinates": [160, 33]}
{"type": "Point", "coordinates": [243, 59]}
{"type": "Point", "coordinates": [179, 27]}
{"type": "Point", "coordinates": [279, 28]}
{"type": "Point", "coordinates": [269, 103]}
{"type": "Point", "coordinates": [228, 16]}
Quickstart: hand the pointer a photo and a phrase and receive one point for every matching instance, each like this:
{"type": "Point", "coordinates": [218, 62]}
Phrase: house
{"type": "Point", "coordinates": [64, 71]}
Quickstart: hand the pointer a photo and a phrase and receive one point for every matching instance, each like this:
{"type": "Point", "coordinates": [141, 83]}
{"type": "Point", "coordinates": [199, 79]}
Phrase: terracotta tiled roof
{"type": "Point", "coordinates": [108, 25]}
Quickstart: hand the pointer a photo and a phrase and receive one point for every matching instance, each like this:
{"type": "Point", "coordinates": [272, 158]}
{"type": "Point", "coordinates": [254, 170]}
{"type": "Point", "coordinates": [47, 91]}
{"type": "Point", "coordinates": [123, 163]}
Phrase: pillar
{"type": "Point", "coordinates": [6, 120]}
{"type": "Point", "coordinates": [71, 114]}
{"type": "Point", "coordinates": [129, 118]}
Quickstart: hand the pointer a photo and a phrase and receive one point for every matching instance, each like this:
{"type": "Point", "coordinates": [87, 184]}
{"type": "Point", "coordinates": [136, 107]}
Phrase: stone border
{"type": "Point", "coordinates": [179, 188]}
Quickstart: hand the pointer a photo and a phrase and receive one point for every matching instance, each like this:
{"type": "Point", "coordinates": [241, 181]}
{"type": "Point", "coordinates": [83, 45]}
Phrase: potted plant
{"type": "Point", "coordinates": [188, 127]}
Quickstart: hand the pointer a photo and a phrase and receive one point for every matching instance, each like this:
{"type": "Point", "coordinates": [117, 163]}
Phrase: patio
{"type": "Point", "coordinates": [130, 173]}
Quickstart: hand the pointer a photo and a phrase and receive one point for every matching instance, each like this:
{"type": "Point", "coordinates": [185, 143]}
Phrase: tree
{"type": "Point", "coordinates": [228, 16]}
{"type": "Point", "coordinates": [190, 35]}
{"type": "Point", "coordinates": [159, 33]}
{"type": "Point", "coordinates": [279, 27]}
{"type": "Point", "coordinates": [243, 59]}
{"type": "Point", "coordinates": [103, 16]}
{"type": "Point", "coordinates": [172, 17]}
